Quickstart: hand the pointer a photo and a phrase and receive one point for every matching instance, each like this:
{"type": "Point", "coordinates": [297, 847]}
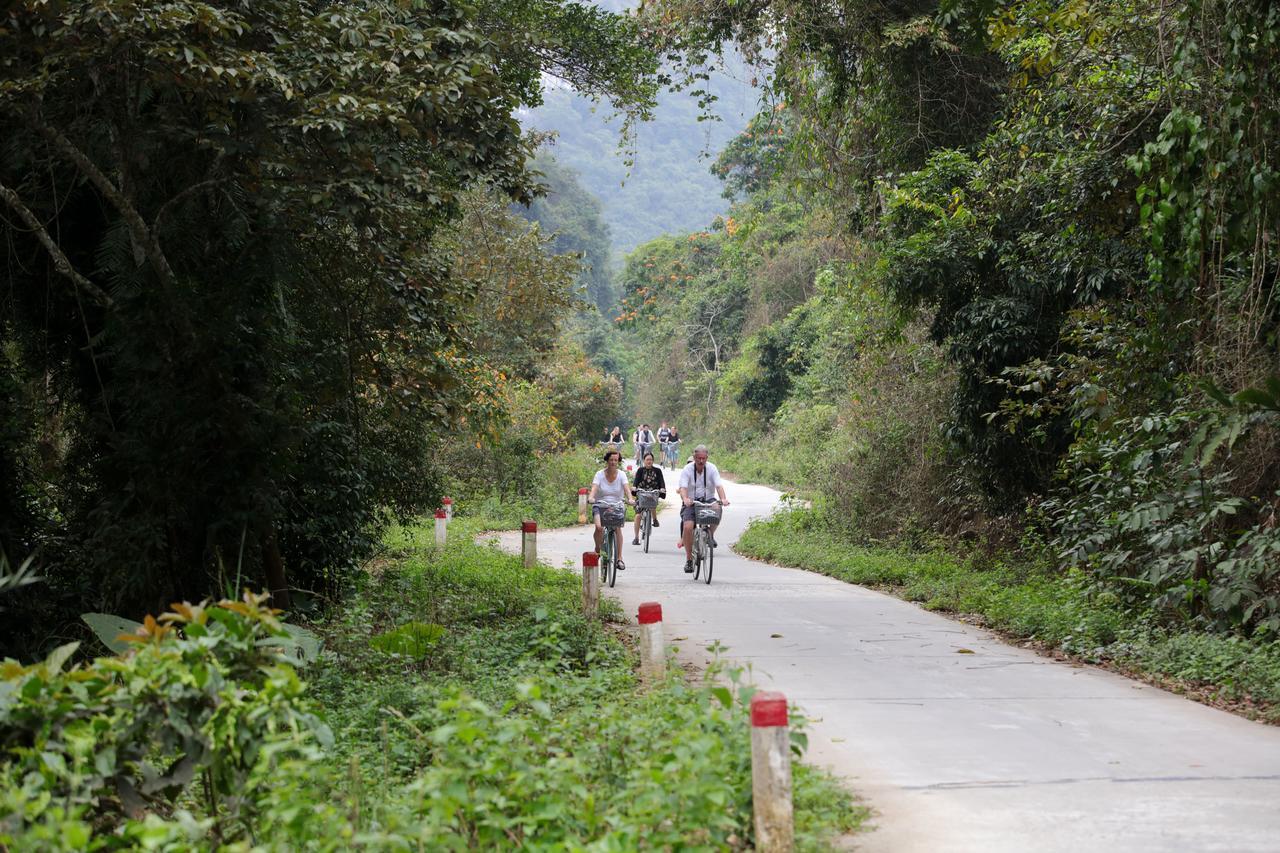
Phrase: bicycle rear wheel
{"type": "Point", "coordinates": [647, 526]}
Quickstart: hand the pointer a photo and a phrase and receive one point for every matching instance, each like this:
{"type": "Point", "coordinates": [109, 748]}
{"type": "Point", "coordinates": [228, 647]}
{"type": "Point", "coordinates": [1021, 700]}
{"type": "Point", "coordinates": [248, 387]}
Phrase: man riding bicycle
{"type": "Point", "coordinates": [643, 441]}
{"type": "Point", "coordinates": [699, 483]}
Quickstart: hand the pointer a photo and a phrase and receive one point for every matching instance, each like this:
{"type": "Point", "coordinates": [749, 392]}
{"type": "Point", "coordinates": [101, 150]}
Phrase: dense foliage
{"type": "Point", "coordinates": [238, 315]}
{"type": "Point", "coordinates": [1012, 271]}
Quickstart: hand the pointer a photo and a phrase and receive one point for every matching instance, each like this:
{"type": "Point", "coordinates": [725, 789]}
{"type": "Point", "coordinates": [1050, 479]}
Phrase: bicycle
{"type": "Point", "coordinates": [672, 452]}
{"type": "Point", "coordinates": [646, 505]}
{"type": "Point", "coordinates": [641, 449]}
{"type": "Point", "coordinates": [706, 514]}
{"type": "Point", "coordinates": [613, 514]}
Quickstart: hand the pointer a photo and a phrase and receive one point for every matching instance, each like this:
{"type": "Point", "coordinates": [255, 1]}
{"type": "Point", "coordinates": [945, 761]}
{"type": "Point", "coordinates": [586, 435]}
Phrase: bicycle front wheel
{"type": "Point", "coordinates": [711, 559]}
{"type": "Point", "coordinates": [609, 550]}
{"type": "Point", "coordinates": [613, 572]}
{"type": "Point", "coordinates": [647, 526]}
{"type": "Point", "coordinates": [697, 554]}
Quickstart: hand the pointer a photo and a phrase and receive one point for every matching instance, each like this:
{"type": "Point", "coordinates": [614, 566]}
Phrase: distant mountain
{"type": "Point", "coordinates": [669, 187]}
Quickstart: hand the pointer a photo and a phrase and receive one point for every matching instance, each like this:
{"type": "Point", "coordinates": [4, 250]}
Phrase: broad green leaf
{"type": "Point", "coordinates": [109, 627]}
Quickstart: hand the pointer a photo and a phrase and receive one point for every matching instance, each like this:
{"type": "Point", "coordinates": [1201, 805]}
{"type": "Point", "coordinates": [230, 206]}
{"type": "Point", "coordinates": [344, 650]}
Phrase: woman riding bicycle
{"type": "Point", "coordinates": [614, 438]}
{"type": "Point", "coordinates": [673, 447]}
{"type": "Point", "coordinates": [610, 484]}
{"type": "Point", "coordinates": [650, 479]}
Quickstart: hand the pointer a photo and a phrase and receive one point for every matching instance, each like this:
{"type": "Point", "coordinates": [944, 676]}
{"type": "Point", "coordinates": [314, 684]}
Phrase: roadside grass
{"type": "Point", "coordinates": [546, 492]}
{"type": "Point", "coordinates": [519, 723]}
{"type": "Point", "coordinates": [1032, 603]}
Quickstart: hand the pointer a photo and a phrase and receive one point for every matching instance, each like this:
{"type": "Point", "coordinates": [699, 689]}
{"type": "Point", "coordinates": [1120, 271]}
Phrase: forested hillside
{"type": "Point", "coordinates": [655, 181]}
{"type": "Point", "coordinates": [658, 182]}
{"type": "Point", "coordinates": [1001, 273]}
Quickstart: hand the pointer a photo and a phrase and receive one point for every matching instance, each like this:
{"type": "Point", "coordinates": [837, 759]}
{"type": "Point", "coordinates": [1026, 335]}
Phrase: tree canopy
{"type": "Point", "coordinates": [233, 327]}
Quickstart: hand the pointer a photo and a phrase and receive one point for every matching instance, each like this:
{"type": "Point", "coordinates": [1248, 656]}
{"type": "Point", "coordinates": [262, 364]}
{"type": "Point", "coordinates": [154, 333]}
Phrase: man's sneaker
{"type": "Point", "coordinates": [655, 523]}
{"type": "Point", "coordinates": [688, 567]}
{"type": "Point", "coordinates": [635, 541]}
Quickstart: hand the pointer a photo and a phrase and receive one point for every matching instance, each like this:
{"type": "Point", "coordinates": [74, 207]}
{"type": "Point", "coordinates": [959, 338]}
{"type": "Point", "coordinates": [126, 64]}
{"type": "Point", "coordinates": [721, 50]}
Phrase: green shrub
{"type": "Point", "coordinates": [540, 486]}
{"type": "Point", "coordinates": [112, 744]}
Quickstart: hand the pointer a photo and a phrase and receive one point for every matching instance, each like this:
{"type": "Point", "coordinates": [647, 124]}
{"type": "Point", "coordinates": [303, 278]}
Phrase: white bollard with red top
{"type": "Point", "coordinates": [582, 505]}
{"type": "Point", "coordinates": [448, 508]}
{"type": "Point", "coordinates": [529, 543]}
{"type": "Point", "coordinates": [590, 583]}
{"type": "Point", "coordinates": [653, 651]}
{"type": "Point", "coordinates": [771, 773]}
{"type": "Point", "coordinates": [442, 525]}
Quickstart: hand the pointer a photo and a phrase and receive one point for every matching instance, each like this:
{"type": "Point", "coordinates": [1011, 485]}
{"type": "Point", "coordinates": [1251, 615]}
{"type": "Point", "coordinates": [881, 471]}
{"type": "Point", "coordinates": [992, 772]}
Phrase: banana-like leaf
{"type": "Point", "coordinates": [306, 643]}
{"type": "Point", "coordinates": [109, 627]}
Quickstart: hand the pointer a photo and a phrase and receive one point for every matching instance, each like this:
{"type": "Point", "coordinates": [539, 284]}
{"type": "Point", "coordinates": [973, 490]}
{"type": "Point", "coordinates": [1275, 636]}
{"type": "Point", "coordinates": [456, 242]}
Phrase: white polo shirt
{"type": "Point", "coordinates": [701, 486]}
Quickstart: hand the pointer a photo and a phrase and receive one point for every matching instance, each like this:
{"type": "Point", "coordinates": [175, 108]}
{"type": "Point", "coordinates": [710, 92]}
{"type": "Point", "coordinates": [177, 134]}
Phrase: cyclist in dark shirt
{"type": "Point", "coordinates": [648, 477]}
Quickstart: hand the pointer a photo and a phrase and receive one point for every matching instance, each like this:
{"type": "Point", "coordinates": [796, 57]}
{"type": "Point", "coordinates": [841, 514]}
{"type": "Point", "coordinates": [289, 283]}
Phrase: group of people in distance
{"type": "Point", "coordinates": [643, 439]}
{"type": "Point", "coordinates": [699, 483]}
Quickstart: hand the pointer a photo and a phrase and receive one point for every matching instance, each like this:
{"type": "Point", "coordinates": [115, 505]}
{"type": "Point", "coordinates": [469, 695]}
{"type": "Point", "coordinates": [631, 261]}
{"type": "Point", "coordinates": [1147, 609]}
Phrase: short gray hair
{"type": "Point", "coordinates": [702, 448]}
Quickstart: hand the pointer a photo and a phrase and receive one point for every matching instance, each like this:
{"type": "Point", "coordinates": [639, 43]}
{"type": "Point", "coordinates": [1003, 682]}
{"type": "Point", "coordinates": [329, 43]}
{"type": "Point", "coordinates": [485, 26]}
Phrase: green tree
{"type": "Point", "coordinates": [572, 217]}
{"type": "Point", "coordinates": [225, 271]}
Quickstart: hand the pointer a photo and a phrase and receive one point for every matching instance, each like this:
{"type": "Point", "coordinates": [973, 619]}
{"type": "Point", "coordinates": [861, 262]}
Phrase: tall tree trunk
{"type": "Point", "coordinates": [274, 564]}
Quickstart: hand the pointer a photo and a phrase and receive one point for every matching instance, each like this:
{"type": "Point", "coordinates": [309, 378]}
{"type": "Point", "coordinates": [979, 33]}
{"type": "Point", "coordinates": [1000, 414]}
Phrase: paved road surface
{"type": "Point", "coordinates": [999, 750]}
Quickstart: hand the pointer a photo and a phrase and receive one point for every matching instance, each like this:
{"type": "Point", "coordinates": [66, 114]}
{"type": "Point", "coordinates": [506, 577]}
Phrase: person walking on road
{"type": "Point", "coordinates": [650, 478]}
{"type": "Point", "coordinates": [699, 481]}
{"type": "Point", "coordinates": [610, 484]}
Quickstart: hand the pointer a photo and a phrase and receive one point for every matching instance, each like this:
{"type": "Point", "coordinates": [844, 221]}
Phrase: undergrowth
{"type": "Point", "coordinates": [458, 702]}
{"type": "Point", "coordinates": [545, 489]}
{"type": "Point", "coordinates": [525, 724]}
{"type": "Point", "coordinates": [1032, 602]}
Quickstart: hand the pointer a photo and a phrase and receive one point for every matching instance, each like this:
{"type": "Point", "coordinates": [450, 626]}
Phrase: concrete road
{"type": "Point", "coordinates": [959, 741]}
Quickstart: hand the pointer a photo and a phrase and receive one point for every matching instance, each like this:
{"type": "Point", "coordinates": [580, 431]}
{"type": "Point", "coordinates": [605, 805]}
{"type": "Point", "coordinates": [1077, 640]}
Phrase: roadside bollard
{"type": "Point", "coordinates": [529, 543]}
{"type": "Point", "coordinates": [582, 506]}
{"type": "Point", "coordinates": [448, 508]}
{"type": "Point", "coordinates": [442, 526]}
{"type": "Point", "coordinates": [653, 651]}
{"type": "Point", "coordinates": [771, 773]}
{"type": "Point", "coordinates": [590, 583]}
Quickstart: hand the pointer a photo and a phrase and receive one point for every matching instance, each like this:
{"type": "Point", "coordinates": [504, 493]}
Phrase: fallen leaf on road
{"type": "Point", "coordinates": [775, 636]}
{"type": "Point", "coordinates": [965, 651]}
